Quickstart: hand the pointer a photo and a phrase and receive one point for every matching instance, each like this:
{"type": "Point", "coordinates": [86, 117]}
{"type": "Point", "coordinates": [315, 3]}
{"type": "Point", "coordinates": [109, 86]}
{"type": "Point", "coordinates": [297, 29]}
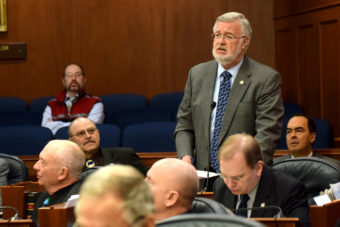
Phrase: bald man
{"type": "Point", "coordinates": [84, 132]}
{"type": "Point", "coordinates": [58, 170]}
{"type": "Point", "coordinates": [174, 184]}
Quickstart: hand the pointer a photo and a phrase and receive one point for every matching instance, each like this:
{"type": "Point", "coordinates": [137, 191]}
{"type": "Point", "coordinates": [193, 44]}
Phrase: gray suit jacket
{"type": "Point", "coordinates": [254, 107]}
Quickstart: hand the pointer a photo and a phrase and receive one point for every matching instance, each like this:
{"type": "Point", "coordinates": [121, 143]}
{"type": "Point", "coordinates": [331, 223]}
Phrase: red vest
{"type": "Point", "coordinates": [81, 108]}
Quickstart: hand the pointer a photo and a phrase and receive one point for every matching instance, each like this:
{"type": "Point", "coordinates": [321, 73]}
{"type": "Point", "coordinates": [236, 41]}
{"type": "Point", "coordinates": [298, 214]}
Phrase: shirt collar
{"type": "Point", "coordinates": [233, 70]}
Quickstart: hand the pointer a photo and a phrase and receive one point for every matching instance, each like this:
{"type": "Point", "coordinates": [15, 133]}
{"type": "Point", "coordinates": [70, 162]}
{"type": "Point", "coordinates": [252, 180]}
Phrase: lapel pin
{"type": "Point", "coordinates": [262, 205]}
{"type": "Point", "coordinates": [241, 82]}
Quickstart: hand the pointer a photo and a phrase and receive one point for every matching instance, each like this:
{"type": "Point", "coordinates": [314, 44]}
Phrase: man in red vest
{"type": "Point", "coordinates": [72, 102]}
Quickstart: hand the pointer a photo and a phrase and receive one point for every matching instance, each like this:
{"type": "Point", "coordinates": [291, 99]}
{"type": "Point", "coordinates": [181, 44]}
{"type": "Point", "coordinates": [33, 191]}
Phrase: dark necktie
{"type": "Point", "coordinates": [243, 205]}
{"type": "Point", "coordinates": [223, 95]}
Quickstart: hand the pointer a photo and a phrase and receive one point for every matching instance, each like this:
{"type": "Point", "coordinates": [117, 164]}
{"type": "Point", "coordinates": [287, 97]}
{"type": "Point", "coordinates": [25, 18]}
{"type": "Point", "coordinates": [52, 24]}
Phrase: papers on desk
{"type": "Point", "coordinates": [336, 190]}
{"type": "Point", "coordinates": [204, 174]}
{"type": "Point", "coordinates": [72, 201]}
{"type": "Point", "coordinates": [322, 200]}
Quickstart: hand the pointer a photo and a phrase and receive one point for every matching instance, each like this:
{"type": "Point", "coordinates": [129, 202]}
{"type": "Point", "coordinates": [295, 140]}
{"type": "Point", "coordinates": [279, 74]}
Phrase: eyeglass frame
{"type": "Point", "coordinates": [76, 74]}
{"type": "Point", "coordinates": [84, 133]}
{"type": "Point", "coordinates": [226, 36]}
{"type": "Point", "coordinates": [237, 178]}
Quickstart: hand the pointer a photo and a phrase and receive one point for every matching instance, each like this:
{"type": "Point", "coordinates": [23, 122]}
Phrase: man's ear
{"type": "Point", "coordinates": [312, 137]}
{"type": "Point", "coordinates": [171, 198]}
{"type": "Point", "coordinates": [63, 173]}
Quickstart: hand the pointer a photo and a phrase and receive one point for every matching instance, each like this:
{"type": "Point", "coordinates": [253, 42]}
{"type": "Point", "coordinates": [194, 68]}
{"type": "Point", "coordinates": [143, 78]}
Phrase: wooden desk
{"type": "Point", "coordinates": [209, 195]}
{"type": "Point", "coordinates": [326, 215]}
{"type": "Point", "coordinates": [279, 222]}
{"type": "Point", "coordinates": [14, 196]}
{"type": "Point", "coordinates": [56, 214]}
{"type": "Point", "coordinates": [17, 223]}
{"type": "Point", "coordinates": [147, 158]}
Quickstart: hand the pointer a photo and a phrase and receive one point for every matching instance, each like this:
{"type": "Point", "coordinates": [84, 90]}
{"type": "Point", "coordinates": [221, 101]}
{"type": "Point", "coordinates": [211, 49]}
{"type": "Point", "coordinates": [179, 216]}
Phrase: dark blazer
{"type": "Point", "coordinates": [254, 107]}
{"type": "Point", "coordinates": [123, 155]}
{"type": "Point", "coordinates": [59, 196]}
{"type": "Point", "coordinates": [275, 189]}
{"type": "Point", "coordinates": [315, 154]}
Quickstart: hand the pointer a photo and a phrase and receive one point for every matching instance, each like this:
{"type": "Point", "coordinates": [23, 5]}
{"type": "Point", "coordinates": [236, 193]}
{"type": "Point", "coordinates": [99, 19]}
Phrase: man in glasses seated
{"type": "Point", "coordinates": [84, 132]}
{"type": "Point", "coordinates": [253, 189]}
{"type": "Point", "coordinates": [72, 102]}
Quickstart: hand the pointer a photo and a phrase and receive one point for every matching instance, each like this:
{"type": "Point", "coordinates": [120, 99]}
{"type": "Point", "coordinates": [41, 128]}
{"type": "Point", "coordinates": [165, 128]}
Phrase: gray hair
{"type": "Point", "coordinates": [231, 16]}
{"type": "Point", "coordinates": [126, 182]}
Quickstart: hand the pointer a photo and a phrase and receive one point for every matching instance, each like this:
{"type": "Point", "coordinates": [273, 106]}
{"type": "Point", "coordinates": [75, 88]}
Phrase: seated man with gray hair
{"type": "Point", "coordinates": [58, 170]}
{"type": "Point", "coordinates": [115, 195]}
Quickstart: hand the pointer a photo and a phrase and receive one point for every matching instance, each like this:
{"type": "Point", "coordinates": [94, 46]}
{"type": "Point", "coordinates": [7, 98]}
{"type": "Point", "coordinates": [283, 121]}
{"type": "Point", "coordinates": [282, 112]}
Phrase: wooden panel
{"type": "Point", "coordinates": [136, 46]}
{"type": "Point", "coordinates": [286, 64]}
{"type": "Point", "coordinates": [309, 77]}
{"type": "Point", "coordinates": [330, 72]}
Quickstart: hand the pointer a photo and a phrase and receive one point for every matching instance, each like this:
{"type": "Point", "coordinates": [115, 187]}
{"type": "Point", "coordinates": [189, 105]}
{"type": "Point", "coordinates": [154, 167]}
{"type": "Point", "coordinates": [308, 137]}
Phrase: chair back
{"type": "Point", "coordinates": [150, 137]}
{"type": "Point", "coordinates": [316, 173]}
{"type": "Point", "coordinates": [18, 171]}
{"type": "Point", "coordinates": [38, 105]}
{"type": "Point", "coordinates": [206, 205]}
{"type": "Point", "coordinates": [168, 101]}
{"type": "Point", "coordinates": [24, 139]}
{"type": "Point", "coordinates": [207, 220]}
{"type": "Point", "coordinates": [12, 104]}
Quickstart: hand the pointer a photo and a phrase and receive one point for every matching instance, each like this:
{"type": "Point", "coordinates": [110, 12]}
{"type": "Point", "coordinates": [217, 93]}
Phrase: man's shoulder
{"type": "Point", "coordinates": [257, 66]}
{"type": "Point", "coordinates": [281, 158]}
{"type": "Point", "coordinates": [279, 178]}
{"type": "Point", "coordinates": [212, 64]}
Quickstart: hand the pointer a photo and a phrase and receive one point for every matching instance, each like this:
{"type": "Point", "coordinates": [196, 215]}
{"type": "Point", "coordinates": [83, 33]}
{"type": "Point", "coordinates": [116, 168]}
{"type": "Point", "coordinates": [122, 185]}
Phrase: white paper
{"type": "Point", "coordinates": [72, 201]}
{"type": "Point", "coordinates": [322, 200]}
{"type": "Point", "coordinates": [204, 174]}
{"type": "Point", "coordinates": [336, 190]}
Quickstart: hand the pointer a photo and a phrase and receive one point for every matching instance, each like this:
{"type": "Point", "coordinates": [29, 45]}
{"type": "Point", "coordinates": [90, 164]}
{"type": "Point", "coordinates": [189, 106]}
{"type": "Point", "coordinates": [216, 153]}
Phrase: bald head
{"type": "Point", "coordinates": [174, 184]}
{"type": "Point", "coordinates": [60, 164]}
{"type": "Point", "coordinates": [241, 143]}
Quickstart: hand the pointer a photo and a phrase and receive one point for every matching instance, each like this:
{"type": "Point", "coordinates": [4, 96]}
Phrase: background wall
{"type": "Point", "coordinates": [126, 46]}
{"type": "Point", "coordinates": [307, 55]}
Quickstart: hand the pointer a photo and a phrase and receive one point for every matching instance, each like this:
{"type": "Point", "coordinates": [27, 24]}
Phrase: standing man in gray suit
{"type": "Point", "coordinates": [249, 101]}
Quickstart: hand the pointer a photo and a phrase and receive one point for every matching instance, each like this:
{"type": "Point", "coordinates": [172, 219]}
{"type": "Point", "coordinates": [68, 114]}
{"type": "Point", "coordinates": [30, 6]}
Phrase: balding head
{"type": "Point", "coordinates": [84, 132]}
{"type": "Point", "coordinates": [174, 184]}
{"type": "Point", "coordinates": [60, 164]}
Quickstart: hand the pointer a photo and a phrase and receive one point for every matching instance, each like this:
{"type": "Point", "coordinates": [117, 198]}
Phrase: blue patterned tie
{"type": "Point", "coordinates": [243, 205]}
{"type": "Point", "coordinates": [223, 95]}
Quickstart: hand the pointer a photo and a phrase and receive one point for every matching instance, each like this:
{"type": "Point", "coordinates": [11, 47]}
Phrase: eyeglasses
{"type": "Point", "coordinates": [76, 74]}
{"type": "Point", "coordinates": [84, 133]}
{"type": "Point", "coordinates": [238, 178]}
{"type": "Point", "coordinates": [226, 36]}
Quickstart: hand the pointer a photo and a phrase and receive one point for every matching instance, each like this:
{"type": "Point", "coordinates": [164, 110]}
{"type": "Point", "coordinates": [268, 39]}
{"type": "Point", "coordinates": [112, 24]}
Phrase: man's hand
{"type": "Point", "coordinates": [187, 158]}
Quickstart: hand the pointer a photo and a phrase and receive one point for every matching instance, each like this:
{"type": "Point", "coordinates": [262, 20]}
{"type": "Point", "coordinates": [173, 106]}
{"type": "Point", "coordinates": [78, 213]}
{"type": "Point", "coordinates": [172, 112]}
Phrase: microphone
{"type": "Point", "coordinates": [213, 105]}
{"type": "Point", "coordinates": [16, 215]}
{"type": "Point", "coordinates": [278, 215]}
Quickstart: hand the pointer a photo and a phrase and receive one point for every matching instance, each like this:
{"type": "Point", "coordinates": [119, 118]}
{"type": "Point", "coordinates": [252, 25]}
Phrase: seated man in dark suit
{"type": "Point", "coordinates": [246, 183]}
{"type": "Point", "coordinates": [58, 170]}
{"type": "Point", "coordinates": [300, 136]}
{"type": "Point", "coordinates": [84, 132]}
{"type": "Point", "coordinates": [174, 184]}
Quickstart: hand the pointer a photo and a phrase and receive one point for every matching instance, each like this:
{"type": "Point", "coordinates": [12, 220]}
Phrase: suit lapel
{"type": "Point", "coordinates": [207, 91]}
{"type": "Point", "coordinates": [263, 195]}
{"type": "Point", "coordinates": [238, 90]}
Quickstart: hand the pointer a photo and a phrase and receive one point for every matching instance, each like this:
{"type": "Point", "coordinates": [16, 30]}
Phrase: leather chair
{"type": "Point", "coordinates": [18, 171]}
{"type": "Point", "coordinates": [206, 205]}
{"type": "Point", "coordinates": [316, 173]}
{"type": "Point", "coordinates": [207, 220]}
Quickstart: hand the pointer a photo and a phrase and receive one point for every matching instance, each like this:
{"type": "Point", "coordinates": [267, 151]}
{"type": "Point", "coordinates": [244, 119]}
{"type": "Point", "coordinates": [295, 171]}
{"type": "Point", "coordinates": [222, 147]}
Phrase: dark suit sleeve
{"type": "Point", "coordinates": [184, 132]}
{"type": "Point", "coordinates": [126, 156]}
